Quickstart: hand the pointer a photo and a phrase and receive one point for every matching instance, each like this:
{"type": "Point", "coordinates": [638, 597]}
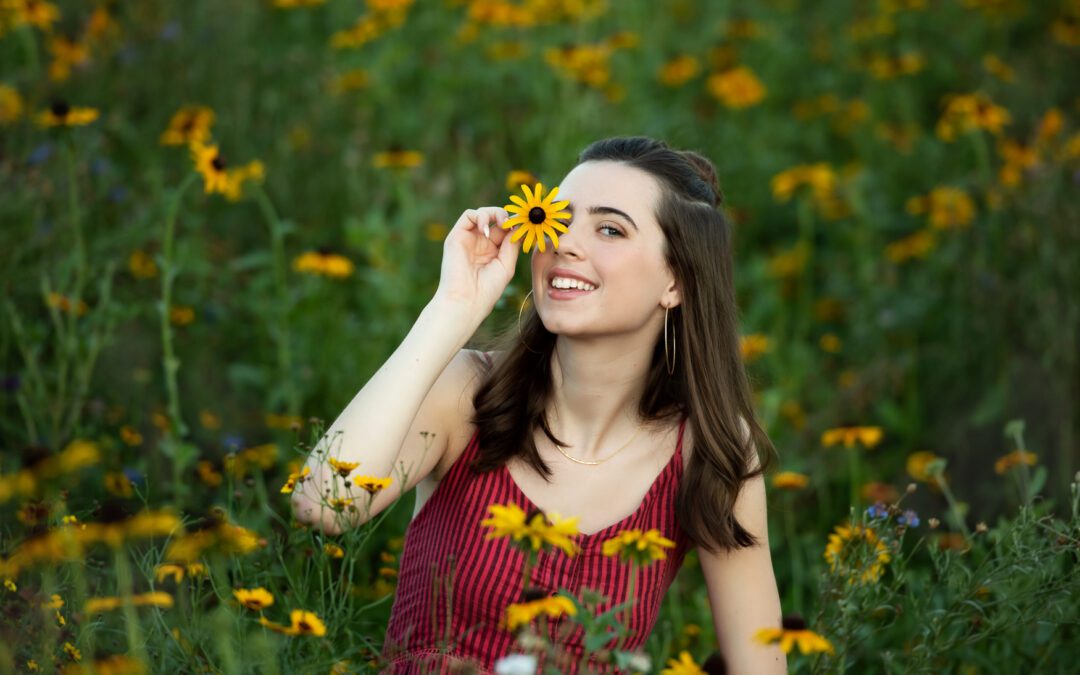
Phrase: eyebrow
{"type": "Point", "coordinates": [604, 210]}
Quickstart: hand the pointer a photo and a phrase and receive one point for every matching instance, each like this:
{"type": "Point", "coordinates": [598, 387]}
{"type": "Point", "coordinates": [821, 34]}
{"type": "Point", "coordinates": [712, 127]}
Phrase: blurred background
{"type": "Point", "coordinates": [221, 217]}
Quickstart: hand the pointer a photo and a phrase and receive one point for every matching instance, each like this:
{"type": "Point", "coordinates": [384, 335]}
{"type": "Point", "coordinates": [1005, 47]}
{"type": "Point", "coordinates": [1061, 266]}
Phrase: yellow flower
{"type": "Point", "coordinates": [518, 176]}
{"type": "Point", "coordinates": [946, 207]}
{"type": "Point", "coordinates": [181, 315]}
{"type": "Point", "coordinates": [343, 468]}
{"type": "Point", "coordinates": [293, 479]}
{"type": "Point", "coordinates": [793, 632]}
{"type": "Point", "coordinates": [350, 80]}
{"type": "Point", "coordinates": [552, 530]}
{"type": "Point", "coordinates": [217, 177]}
{"type": "Point", "coordinates": [323, 262]}
{"type": "Point", "coordinates": [118, 484]}
{"type": "Point", "coordinates": [790, 480]}
{"type": "Point", "coordinates": [867, 436]}
{"type": "Point", "coordinates": [333, 550]}
{"type": "Point", "coordinates": [32, 666]}
{"type": "Point", "coordinates": [819, 177]}
{"type": "Point", "coordinates": [998, 68]}
{"type": "Point", "coordinates": [505, 521]}
{"type": "Point", "coordinates": [55, 602]}
{"type": "Point", "coordinates": [436, 231]}
{"type": "Point", "coordinates": [736, 87]}
{"type": "Point", "coordinates": [754, 345]}
{"type": "Point", "coordinates": [966, 112]}
{"type": "Point", "coordinates": [10, 585]}
{"type": "Point", "coordinates": [684, 665]}
{"type": "Point", "coordinates": [372, 484]}
{"type": "Point", "coordinates": [679, 70]}
{"type": "Point", "coordinates": [536, 217]}
{"type": "Point", "coordinates": [11, 104]}
{"type": "Point", "coordinates": [301, 623]}
{"type": "Point", "coordinates": [36, 13]}
{"type": "Point", "coordinates": [1014, 458]}
{"type": "Point", "coordinates": [255, 599]}
{"type": "Point", "coordinates": [60, 114]}
{"type": "Point", "coordinates": [339, 503]}
{"type": "Point", "coordinates": [190, 124]}
{"type": "Point", "coordinates": [641, 547]}
{"type": "Point", "coordinates": [165, 570]}
{"type": "Point", "coordinates": [917, 463]}
{"type": "Point", "coordinates": [208, 474]}
{"type": "Point", "coordinates": [66, 53]}
{"type": "Point", "coordinates": [519, 614]}
{"type": "Point", "coordinates": [916, 245]}
{"type": "Point", "coordinates": [64, 304]}
{"type": "Point", "coordinates": [842, 555]}
{"type": "Point", "coordinates": [105, 604]}
{"type": "Point", "coordinates": [72, 651]}
{"type": "Point", "coordinates": [283, 421]}
{"type": "Point", "coordinates": [830, 343]}
{"type": "Point", "coordinates": [397, 158]}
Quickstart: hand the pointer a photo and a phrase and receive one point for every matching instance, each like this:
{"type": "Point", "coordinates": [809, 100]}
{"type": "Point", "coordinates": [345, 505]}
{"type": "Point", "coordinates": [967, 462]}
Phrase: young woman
{"type": "Point", "coordinates": [622, 402]}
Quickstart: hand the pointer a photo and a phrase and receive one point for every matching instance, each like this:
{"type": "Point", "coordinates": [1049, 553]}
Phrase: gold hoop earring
{"type": "Point", "coordinates": [520, 336]}
{"type": "Point", "coordinates": [674, 342]}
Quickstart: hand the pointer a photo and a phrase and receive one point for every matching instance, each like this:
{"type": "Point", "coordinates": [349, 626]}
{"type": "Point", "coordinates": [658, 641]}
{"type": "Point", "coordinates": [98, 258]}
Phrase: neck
{"type": "Point", "coordinates": [596, 388]}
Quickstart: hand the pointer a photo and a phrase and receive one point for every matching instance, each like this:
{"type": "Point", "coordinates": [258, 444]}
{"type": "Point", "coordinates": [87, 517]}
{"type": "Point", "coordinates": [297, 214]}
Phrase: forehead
{"type": "Point", "coordinates": [614, 184]}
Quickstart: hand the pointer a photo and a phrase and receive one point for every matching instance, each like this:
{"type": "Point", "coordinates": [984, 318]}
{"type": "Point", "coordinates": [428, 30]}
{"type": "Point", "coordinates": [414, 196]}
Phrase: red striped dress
{"type": "Point", "coordinates": [454, 585]}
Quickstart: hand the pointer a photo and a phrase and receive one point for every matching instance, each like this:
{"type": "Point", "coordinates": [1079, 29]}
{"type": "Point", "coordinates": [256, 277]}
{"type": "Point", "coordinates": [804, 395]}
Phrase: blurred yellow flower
{"type": "Point", "coordinates": [522, 613]}
{"type": "Point", "coordinates": [283, 421]}
{"type": "Point", "coordinates": [255, 599]}
{"type": "Point", "coordinates": [339, 503]}
{"type": "Point", "coordinates": [177, 572]}
{"type": "Point", "coordinates": [207, 473]}
{"type": "Point", "coordinates": [64, 304]}
{"type": "Point", "coordinates": [66, 53]}
{"type": "Point", "coordinates": [829, 342]}
{"type": "Point", "coordinates": [333, 550]}
{"type": "Point", "coordinates": [844, 559]}
{"type": "Point", "coordinates": [585, 63]}
{"type": "Point", "coordinates": [998, 68]}
{"type": "Point", "coordinates": [793, 632]}
{"type": "Point", "coordinates": [1018, 159]}
{"type": "Point", "coordinates": [141, 265]}
{"type": "Point", "coordinates": [516, 177]}
{"type": "Point", "coordinates": [302, 622]}
{"type": "Point", "coordinates": [737, 87]}
{"type": "Point", "coordinates": [37, 13]}
{"type": "Point", "coordinates": [917, 463]}
{"type": "Point", "coordinates": [130, 435]}
{"type": "Point", "coordinates": [436, 231]}
{"type": "Point", "coordinates": [118, 484]}
{"type": "Point", "coordinates": [536, 217]}
{"type": "Point", "coordinates": [217, 176]}
{"type": "Point", "coordinates": [190, 124]}
{"type": "Point", "coordinates": [966, 112]}
{"type": "Point", "coordinates": [397, 158]}
{"type": "Point", "coordinates": [71, 650]}
{"type": "Point", "coordinates": [181, 315]}
{"type": "Point", "coordinates": [886, 67]}
{"type": "Point", "coordinates": [916, 245]}
{"type": "Point", "coordinates": [820, 178]}
{"type": "Point", "coordinates": [790, 263]}
{"type": "Point", "coordinates": [1014, 458]}
{"type": "Point", "coordinates": [509, 520]}
{"type": "Point", "coordinates": [209, 420]}
{"type": "Point", "coordinates": [350, 80]}
{"type": "Point", "coordinates": [684, 665]}
{"type": "Point", "coordinates": [11, 104]}
{"type": "Point", "coordinates": [105, 604]}
{"type": "Point", "coordinates": [641, 547]}
{"type": "Point", "coordinates": [946, 207]}
{"type": "Point", "coordinates": [868, 437]}
{"type": "Point", "coordinates": [754, 345]}
{"type": "Point", "coordinates": [60, 114]}
{"type": "Point", "coordinates": [323, 262]}
{"type": "Point", "coordinates": [790, 480]}
{"type": "Point", "coordinates": [679, 70]}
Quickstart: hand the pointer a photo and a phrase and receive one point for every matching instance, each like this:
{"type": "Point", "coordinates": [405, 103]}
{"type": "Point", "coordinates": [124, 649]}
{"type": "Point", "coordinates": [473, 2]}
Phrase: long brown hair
{"type": "Point", "coordinates": [710, 384]}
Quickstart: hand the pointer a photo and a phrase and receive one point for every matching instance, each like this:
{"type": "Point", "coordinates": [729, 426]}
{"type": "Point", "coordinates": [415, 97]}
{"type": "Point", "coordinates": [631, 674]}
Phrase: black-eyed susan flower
{"type": "Point", "coordinates": [66, 53]}
{"type": "Point", "coordinates": [333, 550]}
{"type": "Point", "coordinates": [868, 437]}
{"type": "Point", "coordinates": [105, 604]}
{"type": "Point", "coordinates": [522, 613]}
{"type": "Point", "coordinates": [536, 217]}
{"type": "Point", "coordinates": [684, 665]}
{"type": "Point", "coordinates": [340, 503]}
{"type": "Point", "coordinates": [217, 176]}
{"type": "Point", "coordinates": [398, 158]}
{"type": "Point", "coordinates": [181, 315]}
{"type": "Point", "coordinates": [367, 28]}
{"type": "Point", "coordinates": [60, 114]}
{"type": "Point", "coordinates": [11, 104]}
{"type": "Point", "coordinates": [436, 231]}
{"type": "Point", "coordinates": [294, 478]}
{"type": "Point", "coordinates": [915, 245]}
{"type": "Point", "coordinates": [794, 633]}
{"type": "Point", "coordinates": [130, 436]}
{"type": "Point", "coordinates": [819, 177]}
{"type": "Point", "coordinates": [1014, 458]}
{"type": "Point", "coordinates": [323, 262]}
{"type": "Point", "coordinates": [515, 177]}
{"type": "Point", "coordinates": [190, 124]}
{"type": "Point", "coordinates": [846, 558]}
{"type": "Point", "coordinates": [945, 207]}
{"type": "Point", "coordinates": [37, 13]}
{"type": "Point", "coordinates": [736, 87]}
{"type": "Point", "coordinates": [301, 622]}
{"type": "Point", "coordinates": [343, 469]}
{"type": "Point", "coordinates": [790, 480]}
{"type": "Point", "coordinates": [918, 464]}
{"type": "Point", "coordinates": [255, 599]}
{"type": "Point", "coordinates": [679, 70]}
{"type": "Point", "coordinates": [72, 652]}
{"type": "Point", "coordinates": [371, 484]}
{"type": "Point", "coordinates": [753, 346]}
{"type": "Point", "coordinates": [970, 112]}
{"type": "Point", "coordinates": [534, 530]}
{"type": "Point", "coordinates": [640, 547]}
{"type": "Point", "coordinates": [505, 520]}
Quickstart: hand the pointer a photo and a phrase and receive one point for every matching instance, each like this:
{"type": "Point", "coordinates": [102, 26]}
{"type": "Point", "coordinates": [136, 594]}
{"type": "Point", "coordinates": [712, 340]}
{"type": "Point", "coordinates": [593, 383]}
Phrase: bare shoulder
{"type": "Point", "coordinates": [470, 374]}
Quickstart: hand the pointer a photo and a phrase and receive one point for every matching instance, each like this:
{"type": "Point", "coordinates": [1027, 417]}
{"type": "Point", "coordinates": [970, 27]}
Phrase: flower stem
{"type": "Point", "coordinates": [168, 273]}
{"type": "Point", "coordinates": [855, 475]}
{"type": "Point", "coordinates": [794, 555]}
{"type": "Point", "coordinates": [629, 611]}
{"type": "Point", "coordinates": [131, 619]}
{"type": "Point", "coordinates": [957, 516]}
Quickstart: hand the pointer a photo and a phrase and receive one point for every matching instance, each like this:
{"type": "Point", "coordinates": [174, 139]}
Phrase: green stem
{"type": "Point", "coordinates": [168, 273]}
{"type": "Point", "coordinates": [855, 475]}
{"type": "Point", "coordinates": [136, 645]}
{"type": "Point", "coordinates": [29, 41]}
{"type": "Point", "coordinates": [76, 220]}
{"type": "Point", "coordinates": [957, 516]}
{"type": "Point", "coordinates": [794, 555]}
{"type": "Point", "coordinates": [284, 349]}
{"type": "Point", "coordinates": [629, 611]}
{"type": "Point", "coordinates": [805, 215]}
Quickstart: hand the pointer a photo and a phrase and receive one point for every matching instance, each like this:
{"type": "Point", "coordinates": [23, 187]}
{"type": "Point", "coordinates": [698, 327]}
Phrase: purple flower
{"type": "Point", "coordinates": [134, 475]}
{"type": "Point", "coordinates": [909, 518]}
{"type": "Point", "coordinates": [39, 154]}
{"type": "Point", "coordinates": [232, 442]}
{"type": "Point", "coordinates": [878, 510]}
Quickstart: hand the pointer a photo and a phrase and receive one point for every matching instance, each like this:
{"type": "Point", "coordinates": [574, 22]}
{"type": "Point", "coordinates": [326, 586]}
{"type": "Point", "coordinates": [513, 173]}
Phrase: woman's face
{"type": "Point", "coordinates": [615, 244]}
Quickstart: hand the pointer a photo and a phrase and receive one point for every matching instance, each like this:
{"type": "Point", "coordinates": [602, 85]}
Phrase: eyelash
{"type": "Point", "coordinates": [612, 227]}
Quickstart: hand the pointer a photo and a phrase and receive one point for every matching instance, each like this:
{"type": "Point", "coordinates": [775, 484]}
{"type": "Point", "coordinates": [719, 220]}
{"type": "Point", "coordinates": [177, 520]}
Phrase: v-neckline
{"type": "Point", "coordinates": [583, 536]}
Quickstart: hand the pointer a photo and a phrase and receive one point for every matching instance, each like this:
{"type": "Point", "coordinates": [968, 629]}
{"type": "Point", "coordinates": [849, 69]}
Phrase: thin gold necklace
{"type": "Point", "coordinates": [581, 461]}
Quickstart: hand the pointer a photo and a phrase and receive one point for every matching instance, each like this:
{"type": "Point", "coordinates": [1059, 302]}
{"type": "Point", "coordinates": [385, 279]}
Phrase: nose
{"type": "Point", "coordinates": [568, 244]}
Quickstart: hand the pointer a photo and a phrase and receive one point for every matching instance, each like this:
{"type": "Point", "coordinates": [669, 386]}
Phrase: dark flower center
{"type": "Point", "coordinates": [218, 163]}
{"type": "Point", "coordinates": [537, 215]}
{"type": "Point", "coordinates": [60, 108]}
{"type": "Point", "coordinates": [793, 622]}
{"type": "Point", "coordinates": [305, 626]}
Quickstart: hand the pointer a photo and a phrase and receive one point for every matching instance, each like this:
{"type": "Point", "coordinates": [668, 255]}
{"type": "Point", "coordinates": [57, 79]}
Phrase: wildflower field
{"type": "Point", "coordinates": [220, 217]}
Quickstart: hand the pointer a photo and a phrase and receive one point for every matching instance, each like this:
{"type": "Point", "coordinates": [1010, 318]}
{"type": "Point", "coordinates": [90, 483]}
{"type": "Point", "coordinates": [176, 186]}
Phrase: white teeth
{"type": "Point", "coordinates": [563, 282]}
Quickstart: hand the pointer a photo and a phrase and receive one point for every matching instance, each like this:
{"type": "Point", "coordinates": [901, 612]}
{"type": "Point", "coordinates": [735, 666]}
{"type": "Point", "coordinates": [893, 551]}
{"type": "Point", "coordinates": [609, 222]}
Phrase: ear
{"type": "Point", "coordinates": [672, 296]}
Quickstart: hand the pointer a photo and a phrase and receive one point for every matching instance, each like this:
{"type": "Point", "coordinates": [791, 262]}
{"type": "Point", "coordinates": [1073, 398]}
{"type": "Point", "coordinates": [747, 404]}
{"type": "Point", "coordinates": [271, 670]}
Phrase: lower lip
{"type": "Point", "coordinates": [566, 293]}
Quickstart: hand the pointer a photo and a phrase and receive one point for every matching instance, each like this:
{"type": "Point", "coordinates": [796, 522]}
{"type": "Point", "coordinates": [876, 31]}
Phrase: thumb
{"type": "Point", "coordinates": [508, 252]}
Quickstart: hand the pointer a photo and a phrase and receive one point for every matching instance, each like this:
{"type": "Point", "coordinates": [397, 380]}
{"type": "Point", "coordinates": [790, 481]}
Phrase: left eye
{"type": "Point", "coordinates": [614, 229]}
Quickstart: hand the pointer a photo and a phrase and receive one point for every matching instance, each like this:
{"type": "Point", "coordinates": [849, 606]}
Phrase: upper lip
{"type": "Point", "coordinates": [562, 272]}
